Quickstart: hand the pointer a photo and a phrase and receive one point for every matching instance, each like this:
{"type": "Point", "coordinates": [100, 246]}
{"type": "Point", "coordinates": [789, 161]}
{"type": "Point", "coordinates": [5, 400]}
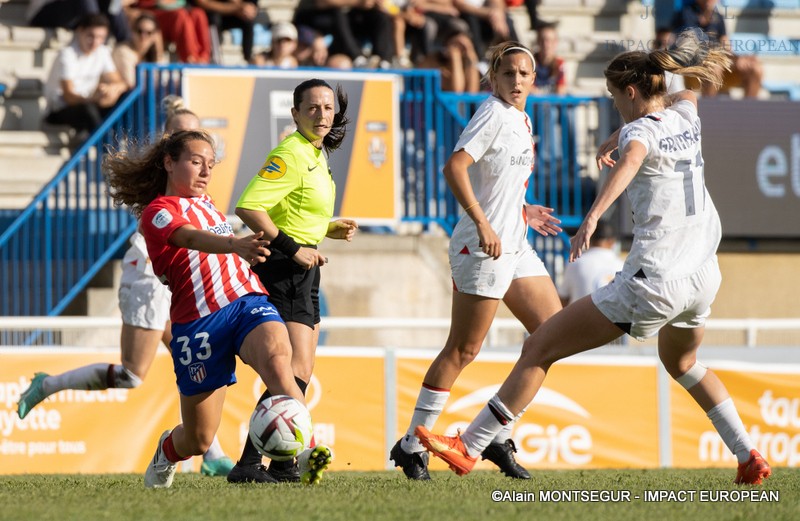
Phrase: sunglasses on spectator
{"type": "Point", "coordinates": [145, 32]}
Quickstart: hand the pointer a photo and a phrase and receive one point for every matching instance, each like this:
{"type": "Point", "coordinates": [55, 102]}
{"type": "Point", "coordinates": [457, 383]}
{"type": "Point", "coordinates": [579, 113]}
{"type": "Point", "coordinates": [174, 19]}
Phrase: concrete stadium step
{"type": "Point", "coordinates": [23, 177]}
{"type": "Point", "coordinates": [22, 143]}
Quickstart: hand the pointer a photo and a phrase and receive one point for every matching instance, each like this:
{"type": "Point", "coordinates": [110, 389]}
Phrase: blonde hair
{"type": "Point", "coordinates": [496, 54]}
{"type": "Point", "coordinates": [136, 177]}
{"type": "Point", "coordinates": [692, 55]}
{"type": "Point", "coordinates": [174, 107]}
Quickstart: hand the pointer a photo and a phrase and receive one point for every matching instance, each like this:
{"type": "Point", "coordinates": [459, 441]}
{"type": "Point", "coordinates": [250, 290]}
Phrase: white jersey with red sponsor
{"type": "Point", "coordinates": [676, 228]}
{"type": "Point", "coordinates": [499, 139]}
{"type": "Point", "coordinates": [201, 283]}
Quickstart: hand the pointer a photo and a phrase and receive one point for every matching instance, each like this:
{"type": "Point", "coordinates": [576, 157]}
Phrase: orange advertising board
{"type": "Point", "coordinates": [768, 400]}
{"type": "Point", "coordinates": [116, 430]}
{"type": "Point", "coordinates": [576, 419]}
{"type": "Point", "coordinates": [345, 398]}
{"type": "Point", "coordinates": [82, 431]}
{"type": "Point", "coordinates": [248, 112]}
{"type": "Point", "coordinates": [592, 412]}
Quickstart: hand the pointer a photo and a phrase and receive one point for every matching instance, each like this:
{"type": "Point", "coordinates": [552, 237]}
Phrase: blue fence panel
{"type": "Point", "coordinates": [53, 248]}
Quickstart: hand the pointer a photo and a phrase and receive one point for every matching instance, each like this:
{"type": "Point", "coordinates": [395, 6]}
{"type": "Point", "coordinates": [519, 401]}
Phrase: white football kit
{"type": "Point", "coordinates": [671, 274]}
{"type": "Point", "coordinates": [499, 139]}
{"type": "Point", "coordinates": [143, 300]}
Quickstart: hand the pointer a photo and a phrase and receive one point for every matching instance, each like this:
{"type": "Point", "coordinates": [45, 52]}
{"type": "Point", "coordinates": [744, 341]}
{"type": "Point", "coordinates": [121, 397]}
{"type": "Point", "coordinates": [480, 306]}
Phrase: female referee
{"type": "Point", "coordinates": [291, 202]}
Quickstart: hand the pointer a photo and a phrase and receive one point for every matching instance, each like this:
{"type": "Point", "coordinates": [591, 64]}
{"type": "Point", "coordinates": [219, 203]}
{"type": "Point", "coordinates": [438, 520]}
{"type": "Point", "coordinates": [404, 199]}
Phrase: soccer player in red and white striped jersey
{"type": "Point", "coordinates": [201, 283]}
{"type": "Point", "coordinates": [219, 309]}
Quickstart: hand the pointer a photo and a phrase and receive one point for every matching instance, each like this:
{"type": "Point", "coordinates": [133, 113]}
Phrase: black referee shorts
{"type": "Point", "coordinates": [293, 290]}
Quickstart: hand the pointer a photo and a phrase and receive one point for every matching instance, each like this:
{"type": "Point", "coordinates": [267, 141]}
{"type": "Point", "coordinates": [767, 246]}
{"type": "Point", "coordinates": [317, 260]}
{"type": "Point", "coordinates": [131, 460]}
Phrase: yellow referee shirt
{"type": "Point", "coordinates": [295, 187]}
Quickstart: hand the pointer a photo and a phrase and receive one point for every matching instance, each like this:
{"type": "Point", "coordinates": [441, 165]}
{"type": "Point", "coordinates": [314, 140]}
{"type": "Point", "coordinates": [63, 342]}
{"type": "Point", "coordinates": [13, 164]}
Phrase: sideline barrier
{"type": "Point", "coordinates": [104, 331]}
{"type": "Point", "coordinates": [361, 400]}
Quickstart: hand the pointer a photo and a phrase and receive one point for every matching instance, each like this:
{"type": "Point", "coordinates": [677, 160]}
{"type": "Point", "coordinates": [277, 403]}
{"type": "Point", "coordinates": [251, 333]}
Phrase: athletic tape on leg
{"type": "Point", "coordinates": [693, 376]}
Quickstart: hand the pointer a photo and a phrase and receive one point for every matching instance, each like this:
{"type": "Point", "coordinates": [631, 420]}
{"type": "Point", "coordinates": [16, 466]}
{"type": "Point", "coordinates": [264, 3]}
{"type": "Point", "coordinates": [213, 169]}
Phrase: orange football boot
{"type": "Point", "coordinates": [753, 471]}
{"type": "Point", "coordinates": [450, 448]}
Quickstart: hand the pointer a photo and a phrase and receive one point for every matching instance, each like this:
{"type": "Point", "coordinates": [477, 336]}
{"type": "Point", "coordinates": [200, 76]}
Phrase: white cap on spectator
{"type": "Point", "coordinates": [284, 30]}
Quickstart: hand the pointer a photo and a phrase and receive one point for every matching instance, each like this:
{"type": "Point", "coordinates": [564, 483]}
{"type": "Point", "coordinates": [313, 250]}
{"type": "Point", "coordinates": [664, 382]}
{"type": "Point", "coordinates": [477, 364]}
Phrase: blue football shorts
{"type": "Point", "coordinates": [204, 350]}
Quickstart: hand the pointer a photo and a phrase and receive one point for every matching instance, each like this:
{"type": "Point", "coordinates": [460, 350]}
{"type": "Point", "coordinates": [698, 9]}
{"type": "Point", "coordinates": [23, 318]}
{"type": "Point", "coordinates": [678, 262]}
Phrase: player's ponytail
{"type": "Point", "coordinates": [695, 56]}
{"type": "Point", "coordinates": [175, 107]}
{"type": "Point", "coordinates": [692, 55]}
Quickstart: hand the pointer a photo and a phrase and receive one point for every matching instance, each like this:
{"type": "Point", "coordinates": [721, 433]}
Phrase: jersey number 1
{"type": "Point", "coordinates": [685, 167]}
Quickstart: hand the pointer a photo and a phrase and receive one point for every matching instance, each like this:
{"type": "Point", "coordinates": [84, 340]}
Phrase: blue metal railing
{"type": "Point", "coordinates": [52, 249]}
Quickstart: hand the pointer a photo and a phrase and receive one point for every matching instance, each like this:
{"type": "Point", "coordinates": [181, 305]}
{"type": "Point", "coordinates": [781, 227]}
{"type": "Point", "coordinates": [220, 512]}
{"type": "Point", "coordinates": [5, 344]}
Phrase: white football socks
{"type": "Point", "coordinates": [505, 432]}
{"type": "Point", "coordinates": [430, 404]}
{"type": "Point", "coordinates": [729, 425]}
{"type": "Point", "coordinates": [485, 427]}
{"type": "Point", "coordinates": [92, 377]}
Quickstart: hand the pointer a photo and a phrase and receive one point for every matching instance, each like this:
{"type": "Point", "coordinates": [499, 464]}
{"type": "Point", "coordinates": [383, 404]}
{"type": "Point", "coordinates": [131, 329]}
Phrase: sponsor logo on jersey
{"type": "Point", "coordinates": [524, 159]}
{"type": "Point", "coordinates": [162, 218]}
{"type": "Point", "coordinates": [223, 228]}
{"type": "Point", "coordinates": [197, 372]}
{"type": "Point", "coordinates": [274, 168]}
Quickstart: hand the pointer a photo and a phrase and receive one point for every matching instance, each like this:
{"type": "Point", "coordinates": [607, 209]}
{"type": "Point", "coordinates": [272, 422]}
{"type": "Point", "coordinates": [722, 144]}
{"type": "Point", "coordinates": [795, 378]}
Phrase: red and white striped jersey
{"type": "Point", "coordinates": [201, 283]}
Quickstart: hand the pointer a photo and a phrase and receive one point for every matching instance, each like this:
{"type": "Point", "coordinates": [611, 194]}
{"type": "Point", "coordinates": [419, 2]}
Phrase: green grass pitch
{"type": "Point", "coordinates": [388, 496]}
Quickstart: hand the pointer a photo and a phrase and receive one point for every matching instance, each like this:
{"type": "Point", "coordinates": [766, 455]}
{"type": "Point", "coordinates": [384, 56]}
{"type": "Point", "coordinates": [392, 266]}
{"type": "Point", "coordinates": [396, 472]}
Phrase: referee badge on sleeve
{"type": "Point", "coordinates": [274, 168]}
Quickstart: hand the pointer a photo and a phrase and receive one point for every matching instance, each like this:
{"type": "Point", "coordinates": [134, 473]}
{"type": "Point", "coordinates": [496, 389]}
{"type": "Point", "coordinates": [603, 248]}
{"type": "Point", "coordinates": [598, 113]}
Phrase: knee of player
{"type": "Point", "coordinates": [536, 353]}
{"type": "Point", "coordinates": [689, 375]}
{"type": "Point", "coordinates": [464, 352]}
{"type": "Point", "coordinates": [303, 373]}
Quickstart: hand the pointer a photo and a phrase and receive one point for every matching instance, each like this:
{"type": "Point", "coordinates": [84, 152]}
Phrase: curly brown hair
{"type": "Point", "coordinates": [135, 177]}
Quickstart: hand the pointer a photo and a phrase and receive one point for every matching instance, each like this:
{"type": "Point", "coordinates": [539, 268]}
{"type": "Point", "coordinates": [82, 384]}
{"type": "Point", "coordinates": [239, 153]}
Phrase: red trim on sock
{"type": "Point", "coordinates": [110, 381]}
{"type": "Point", "coordinates": [436, 389]}
{"type": "Point", "coordinates": [169, 450]}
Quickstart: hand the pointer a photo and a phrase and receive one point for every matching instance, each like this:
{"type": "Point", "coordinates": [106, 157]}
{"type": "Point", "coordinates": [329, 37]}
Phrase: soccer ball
{"type": "Point", "coordinates": [280, 427]}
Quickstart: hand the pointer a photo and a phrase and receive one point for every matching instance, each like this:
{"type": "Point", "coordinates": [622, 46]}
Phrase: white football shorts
{"type": "Point", "coordinates": [479, 274]}
{"type": "Point", "coordinates": [145, 303]}
{"type": "Point", "coordinates": [646, 306]}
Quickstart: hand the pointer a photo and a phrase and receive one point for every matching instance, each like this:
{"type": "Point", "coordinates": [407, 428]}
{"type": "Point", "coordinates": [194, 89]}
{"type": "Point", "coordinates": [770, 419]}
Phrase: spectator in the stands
{"type": "Point", "coordinates": [145, 46]}
{"type": "Point", "coordinates": [339, 61]}
{"type": "Point", "coordinates": [456, 60]}
{"type": "Point", "coordinates": [50, 14]}
{"type": "Point", "coordinates": [233, 14]}
{"type": "Point", "coordinates": [84, 85]}
{"type": "Point", "coordinates": [488, 22]}
{"type": "Point", "coordinates": [420, 25]}
{"type": "Point", "coordinates": [350, 22]}
{"type": "Point", "coordinates": [747, 71]}
{"type": "Point", "coordinates": [312, 50]}
{"type": "Point", "coordinates": [281, 52]}
{"type": "Point", "coordinates": [184, 25]}
{"type": "Point", "coordinates": [550, 75]}
{"type": "Point", "coordinates": [595, 267]}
